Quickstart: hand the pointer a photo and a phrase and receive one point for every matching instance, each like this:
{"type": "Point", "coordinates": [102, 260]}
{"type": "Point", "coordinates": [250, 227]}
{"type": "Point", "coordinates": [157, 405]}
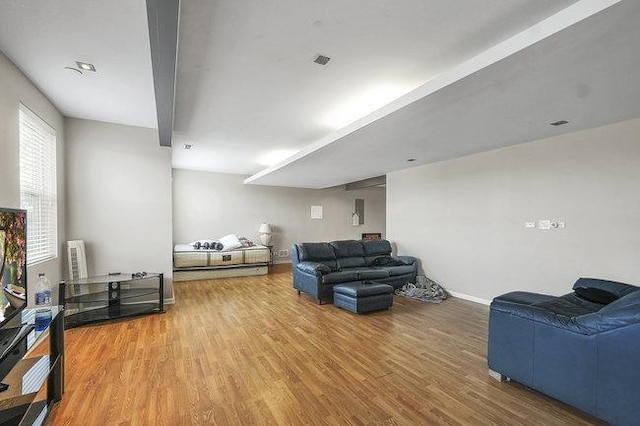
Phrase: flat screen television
{"type": "Point", "coordinates": [13, 262]}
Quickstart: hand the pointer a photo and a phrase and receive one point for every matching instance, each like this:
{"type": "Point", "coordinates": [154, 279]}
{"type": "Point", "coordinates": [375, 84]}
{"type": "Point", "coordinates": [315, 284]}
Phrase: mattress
{"type": "Point", "coordinates": [185, 256]}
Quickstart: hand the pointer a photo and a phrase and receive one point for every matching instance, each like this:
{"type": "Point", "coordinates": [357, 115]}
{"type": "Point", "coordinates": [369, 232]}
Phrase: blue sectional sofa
{"type": "Point", "coordinates": [582, 348]}
{"type": "Point", "coordinates": [317, 267]}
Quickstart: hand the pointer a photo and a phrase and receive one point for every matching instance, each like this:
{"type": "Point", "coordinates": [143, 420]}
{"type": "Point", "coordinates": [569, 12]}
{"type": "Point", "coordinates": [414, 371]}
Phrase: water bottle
{"type": "Point", "coordinates": [43, 302]}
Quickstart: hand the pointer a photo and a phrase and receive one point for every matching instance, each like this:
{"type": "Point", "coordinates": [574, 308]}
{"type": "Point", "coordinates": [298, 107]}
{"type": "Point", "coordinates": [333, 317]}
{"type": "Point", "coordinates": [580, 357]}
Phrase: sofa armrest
{"type": "Point", "coordinates": [543, 316]}
{"type": "Point", "coordinates": [619, 289]}
{"type": "Point", "coordinates": [409, 260]}
{"type": "Point", "coordinates": [313, 268]}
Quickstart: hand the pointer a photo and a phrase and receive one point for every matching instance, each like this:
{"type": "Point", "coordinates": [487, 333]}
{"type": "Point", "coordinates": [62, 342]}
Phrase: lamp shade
{"type": "Point", "coordinates": [265, 228]}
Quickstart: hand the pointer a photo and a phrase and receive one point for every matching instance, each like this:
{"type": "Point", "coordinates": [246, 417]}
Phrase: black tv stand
{"type": "Point", "coordinates": [112, 296]}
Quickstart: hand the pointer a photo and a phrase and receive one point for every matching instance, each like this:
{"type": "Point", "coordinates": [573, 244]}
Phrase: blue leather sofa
{"type": "Point", "coordinates": [317, 267]}
{"type": "Point", "coordinates": [582, 348]}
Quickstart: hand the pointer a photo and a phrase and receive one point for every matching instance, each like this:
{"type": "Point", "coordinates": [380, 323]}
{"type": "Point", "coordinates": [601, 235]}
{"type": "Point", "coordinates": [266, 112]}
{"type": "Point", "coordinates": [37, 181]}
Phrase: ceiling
{"type": "Point", "coordinates": [44, 37]}
{"type": "Point", "coordinates": [250, 100]}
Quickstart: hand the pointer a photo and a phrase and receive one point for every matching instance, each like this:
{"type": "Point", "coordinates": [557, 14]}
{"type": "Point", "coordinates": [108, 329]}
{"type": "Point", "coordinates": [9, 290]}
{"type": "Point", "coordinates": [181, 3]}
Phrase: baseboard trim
{"type": "Point", "coordinates": [470, 298]}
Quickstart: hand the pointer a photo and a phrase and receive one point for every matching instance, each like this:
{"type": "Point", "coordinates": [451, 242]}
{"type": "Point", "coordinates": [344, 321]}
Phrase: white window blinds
{"type": "Point", "coordinates": [38, 189]}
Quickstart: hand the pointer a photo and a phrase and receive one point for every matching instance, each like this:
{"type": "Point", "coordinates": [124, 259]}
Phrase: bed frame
{"type": "Point", "coordinates": [190, 264]}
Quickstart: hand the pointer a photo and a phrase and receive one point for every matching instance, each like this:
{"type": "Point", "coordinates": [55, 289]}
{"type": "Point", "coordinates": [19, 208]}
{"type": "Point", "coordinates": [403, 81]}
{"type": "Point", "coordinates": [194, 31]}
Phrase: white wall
{"type": "Point", "coordinates": [119, 197]}
{"type": "Point", "coordinates": [465, 218]}
{"type": "Point", "coordinates": [15, 87]}
{"type": "Point", "coordinates": [211, 205]}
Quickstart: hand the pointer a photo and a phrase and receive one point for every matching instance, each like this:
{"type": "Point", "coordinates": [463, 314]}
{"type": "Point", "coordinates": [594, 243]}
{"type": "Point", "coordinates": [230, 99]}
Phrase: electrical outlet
{"type": "Point", "coordinates": [529, 224]}
{"type": "Point", "coordinates": [283, 253]}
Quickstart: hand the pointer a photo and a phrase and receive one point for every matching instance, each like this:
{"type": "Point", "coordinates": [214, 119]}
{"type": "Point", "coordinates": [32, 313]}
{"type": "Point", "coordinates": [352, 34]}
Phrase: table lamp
{"type": "Point", "coordinates": [265, 233]}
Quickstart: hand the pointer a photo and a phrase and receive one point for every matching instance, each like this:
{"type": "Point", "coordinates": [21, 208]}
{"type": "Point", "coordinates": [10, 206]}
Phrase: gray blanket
{"type": "Point", "coordinates": [424, 289]}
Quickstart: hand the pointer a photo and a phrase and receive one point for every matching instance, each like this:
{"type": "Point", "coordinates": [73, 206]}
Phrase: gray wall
{"type": "Point", "coordinates": [465, 218]}
{"type": "Point", "coordinates": [211, 205]}
{"type": "Point", "coordinates": [15, 87]}
{"type": "Point", "coordinates": [119, 193]}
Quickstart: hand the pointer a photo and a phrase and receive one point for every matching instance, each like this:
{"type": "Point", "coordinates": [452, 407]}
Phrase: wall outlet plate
{"type": "Point", "coordinates": [529, 224]}
{"type": "Point", "coordinates": [283, 253]}
{"type": "Point", "coordinates": [544, 224]}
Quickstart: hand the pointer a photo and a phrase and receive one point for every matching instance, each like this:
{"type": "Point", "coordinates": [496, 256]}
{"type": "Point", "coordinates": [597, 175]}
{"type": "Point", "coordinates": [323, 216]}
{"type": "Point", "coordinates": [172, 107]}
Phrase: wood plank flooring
{"type": "Point", "coordinates": [250, 351]}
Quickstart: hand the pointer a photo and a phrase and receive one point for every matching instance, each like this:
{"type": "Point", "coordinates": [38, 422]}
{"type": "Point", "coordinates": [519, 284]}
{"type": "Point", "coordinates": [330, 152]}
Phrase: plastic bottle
{"type": "Point", "coordinates": [43, 302]}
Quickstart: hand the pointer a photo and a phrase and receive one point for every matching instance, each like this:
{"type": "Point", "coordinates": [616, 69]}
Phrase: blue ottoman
{"type": "Point", "coordinates": [363, 297]}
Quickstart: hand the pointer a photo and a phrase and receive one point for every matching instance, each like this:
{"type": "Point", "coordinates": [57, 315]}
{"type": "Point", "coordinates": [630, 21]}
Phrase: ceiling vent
{"type": "Point", "coordinates": [559, 123]}
{"type": "Point", "coordinates": [322, 60]}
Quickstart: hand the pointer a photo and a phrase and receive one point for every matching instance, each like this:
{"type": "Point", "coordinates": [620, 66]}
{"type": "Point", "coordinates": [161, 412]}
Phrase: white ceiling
{"type": "Point", "coordinates": [470, 76]}
{"type": "Point", "coordinates": [247, 86]}
{"type": "Point", "coordinates": [586, 74]}
{"type": "Point", "coordinates": [43, 37]}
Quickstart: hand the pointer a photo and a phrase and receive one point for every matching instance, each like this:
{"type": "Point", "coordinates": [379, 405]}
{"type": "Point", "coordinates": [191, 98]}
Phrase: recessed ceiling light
{"type": "Point", "coordinates": [559, 123]}
{"type": "Point", "coordinates": [86, 66]}
{"type": "Point", "coordinates": [322, 60]}
{"type": "Point", "coordinates": [74, 71]}
{"type": "Point", "coordinates": [411, 159]}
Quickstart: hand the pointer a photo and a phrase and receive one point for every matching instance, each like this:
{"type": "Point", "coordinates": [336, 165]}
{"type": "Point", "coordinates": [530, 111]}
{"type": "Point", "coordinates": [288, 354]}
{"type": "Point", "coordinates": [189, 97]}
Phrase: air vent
{"type": "Point", "coordinates": [559, 123]}
{"type": "Point", "coordinates": [322, 60]}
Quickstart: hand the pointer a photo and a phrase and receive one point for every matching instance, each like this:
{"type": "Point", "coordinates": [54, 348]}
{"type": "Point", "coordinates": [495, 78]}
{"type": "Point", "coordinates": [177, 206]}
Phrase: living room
{"type": "Point", "coordinates": [465, 214]}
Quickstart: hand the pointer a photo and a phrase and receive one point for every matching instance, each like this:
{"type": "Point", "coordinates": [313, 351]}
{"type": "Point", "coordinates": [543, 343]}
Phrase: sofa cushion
{"type": "Point", "coordinates": [363, 289]}
{"type": "Point", "coordinates": [620, 289]}
{"type": "Point", "coordinates": [621, 313]}
{"type": "Point", "coordinates": [567, 306]}
{"type": "Point", "coordinates": [376, 247]}
{"type": "Point", "coordinates": [596, 295]}
{"type": "Point", "coordinates": [350, 262]}
{"type": "Point", "coordinates": [318, 252]}
{"type": "Point", "coordinates": [349, 253]}
{"type": "Point", "coordinates": [387, 261]}
{"type": "Point", "coordinates": [523, 298]}
{"type": "Point", "coordinates": [400, 270]}
{"type": "Point", "coordinates": [372, 274]}
{"type": "Point", "coordinates": [347, 248]}
{"type": "Point", "coordinates": [339, 277]}
{"type": "Point", "coordinates": [631, 300]}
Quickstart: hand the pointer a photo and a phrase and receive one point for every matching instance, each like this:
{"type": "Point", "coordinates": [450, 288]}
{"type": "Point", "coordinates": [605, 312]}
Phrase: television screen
{"type": "Point", "coordinates": [13, 264]}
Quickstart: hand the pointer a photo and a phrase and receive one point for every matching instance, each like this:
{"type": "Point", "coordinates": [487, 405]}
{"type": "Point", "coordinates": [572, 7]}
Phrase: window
{"type": "Point", "coordinates": [38, 188]}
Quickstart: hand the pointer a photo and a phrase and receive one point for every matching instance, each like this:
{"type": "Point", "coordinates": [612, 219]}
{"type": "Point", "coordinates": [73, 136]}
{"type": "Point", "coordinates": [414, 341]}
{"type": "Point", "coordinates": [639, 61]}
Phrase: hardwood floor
{"type": "Point", "coordinates": [245, 351]}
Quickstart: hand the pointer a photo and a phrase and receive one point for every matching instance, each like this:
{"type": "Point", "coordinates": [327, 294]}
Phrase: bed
{"type": "Point", "coordinates": [190, 263]}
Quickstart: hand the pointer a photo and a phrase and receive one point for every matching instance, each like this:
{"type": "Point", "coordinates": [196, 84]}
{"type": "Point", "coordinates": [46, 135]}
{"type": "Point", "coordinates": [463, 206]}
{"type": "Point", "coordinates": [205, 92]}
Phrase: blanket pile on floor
{"type": "Point", "coordinates": [424, 289]}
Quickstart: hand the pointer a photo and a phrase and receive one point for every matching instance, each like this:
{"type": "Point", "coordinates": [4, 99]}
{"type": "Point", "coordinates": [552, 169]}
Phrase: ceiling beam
{"type": "Point", "coordinates": [163, 17]}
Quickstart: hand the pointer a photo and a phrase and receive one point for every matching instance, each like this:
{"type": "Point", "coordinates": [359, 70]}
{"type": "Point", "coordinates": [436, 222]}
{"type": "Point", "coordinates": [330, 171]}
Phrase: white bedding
{"type": "Point", "coordinates": [189, 247]}
{"type": "Point", "coordinates": [228, 242]}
